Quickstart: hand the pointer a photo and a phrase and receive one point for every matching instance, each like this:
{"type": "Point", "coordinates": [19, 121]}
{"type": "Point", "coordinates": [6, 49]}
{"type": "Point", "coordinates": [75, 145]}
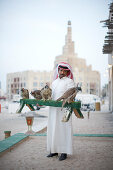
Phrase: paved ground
{"type": "Point", "coordinates": [90, 153]}
{"type": "Point", "coordinates": [16, 123]}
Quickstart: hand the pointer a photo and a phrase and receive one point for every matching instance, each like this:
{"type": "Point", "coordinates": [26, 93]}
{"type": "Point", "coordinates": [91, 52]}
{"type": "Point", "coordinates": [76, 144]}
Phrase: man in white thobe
{"type": "Point", "coordinates": [59, 134]}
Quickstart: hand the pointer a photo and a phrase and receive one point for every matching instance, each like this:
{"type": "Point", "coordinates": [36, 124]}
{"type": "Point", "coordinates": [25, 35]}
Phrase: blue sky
{"type": "Point", "coordinates": [32, 33]}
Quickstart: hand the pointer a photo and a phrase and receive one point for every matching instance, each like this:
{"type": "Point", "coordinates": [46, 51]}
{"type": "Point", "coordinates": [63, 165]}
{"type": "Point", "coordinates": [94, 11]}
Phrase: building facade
{"type": "Point", "coordinates": [1, 91]}
{"type": "Point", "coordinates": [83, 74]}
{"type": "Point", "coordinates": [30, 80]}
{"type": "Point", "coordinates": [108, 49]}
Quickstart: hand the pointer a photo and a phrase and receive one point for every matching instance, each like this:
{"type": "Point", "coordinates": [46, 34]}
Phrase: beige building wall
{"type": "Point", "coordinates": [30, 80]}
{"type": "Point", "coordinates": [83, 74]}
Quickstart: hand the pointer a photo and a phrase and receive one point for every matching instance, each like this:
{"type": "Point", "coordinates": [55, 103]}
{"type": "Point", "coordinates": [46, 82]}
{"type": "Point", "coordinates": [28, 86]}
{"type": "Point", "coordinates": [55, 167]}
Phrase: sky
{"type": "Point", "coordinates": [32, 34]}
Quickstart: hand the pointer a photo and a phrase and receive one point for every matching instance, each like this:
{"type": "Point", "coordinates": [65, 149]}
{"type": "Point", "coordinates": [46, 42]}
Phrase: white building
{"type": "Point", "coordinates": [108, 49]}
{"type": "Point", "coordinates": [30, 80]}
{"type": "Point", "coordinates": [83, 74]}
{"type": "Point", "coordinates": [1, 90]}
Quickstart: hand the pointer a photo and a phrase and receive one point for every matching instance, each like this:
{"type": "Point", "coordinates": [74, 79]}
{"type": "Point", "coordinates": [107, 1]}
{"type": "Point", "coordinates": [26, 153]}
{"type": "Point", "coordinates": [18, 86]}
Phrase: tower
{"type": "Point", "coordinates": [68, 52]}
{"type": "Point", "coordinates": [81, 72]}
{"type": "Point", "coordinates": [68, 48]}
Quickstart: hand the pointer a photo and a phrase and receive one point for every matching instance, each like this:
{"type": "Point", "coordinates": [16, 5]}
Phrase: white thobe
{"type": "Point", "coordinates": [59, 134]}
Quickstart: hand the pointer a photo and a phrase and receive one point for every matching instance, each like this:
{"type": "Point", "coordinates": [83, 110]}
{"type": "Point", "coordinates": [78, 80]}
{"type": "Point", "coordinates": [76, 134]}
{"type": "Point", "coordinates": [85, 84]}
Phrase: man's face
{"type": "Point", "coordinates": [62, 73]}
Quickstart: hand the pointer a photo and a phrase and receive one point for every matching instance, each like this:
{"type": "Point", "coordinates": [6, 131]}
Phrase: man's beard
{"type": "Point", "coordinates": [62, 75]}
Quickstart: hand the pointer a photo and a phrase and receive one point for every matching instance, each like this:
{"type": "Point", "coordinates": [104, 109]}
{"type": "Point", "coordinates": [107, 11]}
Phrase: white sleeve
{"type": "Point", "coordinates": [70, 84]}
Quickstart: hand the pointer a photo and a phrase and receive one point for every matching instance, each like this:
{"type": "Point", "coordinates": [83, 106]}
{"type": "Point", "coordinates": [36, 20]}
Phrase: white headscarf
{"type": "Point", "coordinates": [63, 64]}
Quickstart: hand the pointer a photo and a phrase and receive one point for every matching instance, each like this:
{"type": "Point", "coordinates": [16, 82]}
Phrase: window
{"type": "Point", "coordinates": [35, 84]}
{"type": "Point", "coordinates": [41, 84]}
{"type": "Point", "coordinates": [17, 91]}
{"type": "Point", "coordinates": [24, 84]}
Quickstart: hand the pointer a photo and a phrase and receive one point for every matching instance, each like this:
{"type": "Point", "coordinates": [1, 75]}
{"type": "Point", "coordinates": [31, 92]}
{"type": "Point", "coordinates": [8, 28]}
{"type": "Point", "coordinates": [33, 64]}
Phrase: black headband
{"type": "Point", "coordinates": [63, 67]}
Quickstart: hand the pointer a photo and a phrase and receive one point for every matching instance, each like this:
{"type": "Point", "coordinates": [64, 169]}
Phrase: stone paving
{"type": "Point", "coordinates": [90, 153]}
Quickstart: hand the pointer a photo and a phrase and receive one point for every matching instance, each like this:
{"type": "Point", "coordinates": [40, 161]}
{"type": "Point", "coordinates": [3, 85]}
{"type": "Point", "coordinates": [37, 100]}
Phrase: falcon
{"type": "Point", "coordinates": [46, 92]}
{"type": "Point", "coordinates": [69, 95]}
{"type": "Point", "coordinates": [25, 93]}
{"type": "Point", "coordinates": [36, 94]}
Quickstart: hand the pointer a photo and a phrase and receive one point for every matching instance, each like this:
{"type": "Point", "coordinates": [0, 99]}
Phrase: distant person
{"type": "Point", "coordinates": [59, 134]}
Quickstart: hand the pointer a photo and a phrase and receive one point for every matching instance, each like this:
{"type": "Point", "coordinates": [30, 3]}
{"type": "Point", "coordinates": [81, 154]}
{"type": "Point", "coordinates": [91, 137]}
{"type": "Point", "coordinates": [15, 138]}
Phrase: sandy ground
{"type": "Point", "coordinates": [16, 123]}
{"type": "Point", "coordinates": [90, 153]}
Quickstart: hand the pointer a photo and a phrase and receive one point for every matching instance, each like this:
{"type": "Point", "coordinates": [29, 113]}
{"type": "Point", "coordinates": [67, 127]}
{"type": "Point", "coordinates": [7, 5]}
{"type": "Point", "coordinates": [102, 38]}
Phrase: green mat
{"type": "Point", "coordinates": [11, 141]}
{"type": "Point", "coordinates": [14, 139]}
{"type": "Point", "coordinates": [81, 135]}
{"type": "Point", "coordinates": [94, 135]}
